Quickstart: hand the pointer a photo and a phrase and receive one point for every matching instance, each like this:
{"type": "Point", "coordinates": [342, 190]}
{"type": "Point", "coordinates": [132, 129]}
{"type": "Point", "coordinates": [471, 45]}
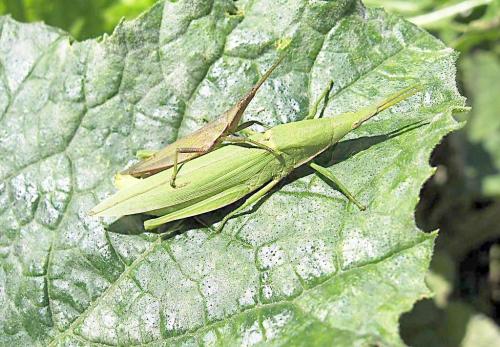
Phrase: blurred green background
{"type": "Point", "coordinates": [462, 199]}
{"type": "Point", "coordinates": [82, 18]}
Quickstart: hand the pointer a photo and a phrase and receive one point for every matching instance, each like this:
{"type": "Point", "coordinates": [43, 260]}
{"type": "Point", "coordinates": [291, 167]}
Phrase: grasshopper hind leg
{"type": "Point", "coordinates": [251, 200]}
{"type": "Point", "coordinates": [324, 172]}
{"type": "Point", "coordinates": [244, 140]}
{"type": "Point", "coordinates": [176, 160]}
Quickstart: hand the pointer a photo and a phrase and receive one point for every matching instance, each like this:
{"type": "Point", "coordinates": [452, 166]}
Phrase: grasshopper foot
{"type": "Point", "coordinates": [362, 207]}
{"type": "Point", "coordinates": [221, 225]}
{"type": "Point", "coordinates": [175, 185]}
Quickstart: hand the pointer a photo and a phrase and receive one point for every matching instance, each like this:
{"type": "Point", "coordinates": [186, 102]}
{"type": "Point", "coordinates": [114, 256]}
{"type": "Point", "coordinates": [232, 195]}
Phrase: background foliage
{"type": "Point", "coordinates": [462, 199]}
{"type": "Point", "coordinates": [82, 18]}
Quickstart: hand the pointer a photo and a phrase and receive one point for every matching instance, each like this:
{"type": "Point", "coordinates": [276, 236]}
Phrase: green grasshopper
{"type": "Point", "coordinates": [229, 173]}
{"type": "Point", "coordinates": [202, 140]}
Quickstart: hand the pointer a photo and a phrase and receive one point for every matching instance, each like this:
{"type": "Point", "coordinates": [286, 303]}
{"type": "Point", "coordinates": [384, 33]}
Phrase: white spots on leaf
{"type": "Point", "coordinates": [24, 189]}
{"type": "Point", "coordinates": [104, 74]}
{"type": "Point", "coordinates": [24, 197]}
{"type": "Point", "coordinates": [142, 277]}
{"type": "Point", "coordinates": [248, 298]}
{"type": "Point", "coordinates": [160, 276]}
{"type": "Point", "coordinates": [149, 318]}
{"type": "Point", "coordinates": [64, 183]}
{"type": "Point", "coordinates": [132, 330]}
{"type": "Point", "coordinates": [251, 335]}
{"type": "Point", "coordinates": [4, 198]}
{"type": "Point", "coordinates": [427, 98]}
{"type": "Point", "coordinates": [287, 108]}
{"type": "Point", "coordinates": [205, 91]}
{"type": "Point", "coordinates": [226, 81]}
{"type": "Point", "coordinates": [322, 313]}
{"type": "Point", "coordinates": [20, 58]}
{"type": "Point", "coordinates": [160, 104]}
{"type": "Point", "coordinates": [279, 283]}
{"type": "Point", "coordinates": [267, 291]}
{"type": "Point", "coordinates": [73, 87]}
{"type": "Point", "coordinates": [313, 260]}
{"type": "Point", "coordinates": [48, 183]}
{"type": "Point", "coordinates": [398, 36]}
{"type": "Point", "coordinates": [210, 338]}
{"type": "Point", "coordinates": [289, 289]}
{"type": "Point", "coordinates": [109, 319]}
{"type": "Point", "coordinates": [4, 97]}
{"type": "Point", "coordinates": [355, 247]}
{"type": "Point", "coordinates": [275, 323]}
{"type": "Point", "coordinates": [225, 295]}
{"type": "Point", "coordinates": [243, 40]}
{"type": "Point", "coordinates": [177, 76]}
{"type": "Point", "coordinates": [49, 213]}
{"type": "Point", "coordinates": [402, 189]}
{"type": "Point", "coordinates": [55, 185]}
{"type": "Point", "coordinates": [62, 314]}
{"type": "Point", "coordinates": [171, 320]}
{"type": "Point", "coordinates": [144, 123]}
{"type": "Point", "coordinates": [129, 247]}
{"type": "Point", "coordinates": [226, 285]}
{"type": "Point", "coordinates": [271, 256]}
{"type": "Point", "coordinates": [91, 223]}
{"type": "Point", "coordinates": [88, 171]}
{"type": "Point", "coordinates": [404, 107]}
{"type": "Point", "coordinates": [212, 292]}
{"type": "Point", "coordinates": [101, 326]}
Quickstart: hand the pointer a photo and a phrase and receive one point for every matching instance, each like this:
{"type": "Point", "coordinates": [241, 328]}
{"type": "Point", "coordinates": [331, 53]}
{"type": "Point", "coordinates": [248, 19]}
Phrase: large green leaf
{"type": "Point", "coordinates": [303, 267]}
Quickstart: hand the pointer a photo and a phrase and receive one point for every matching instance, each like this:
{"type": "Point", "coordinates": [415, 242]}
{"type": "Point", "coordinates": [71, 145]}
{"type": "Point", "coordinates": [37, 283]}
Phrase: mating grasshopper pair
{"type": "Point", "coordinates": [222, 176]}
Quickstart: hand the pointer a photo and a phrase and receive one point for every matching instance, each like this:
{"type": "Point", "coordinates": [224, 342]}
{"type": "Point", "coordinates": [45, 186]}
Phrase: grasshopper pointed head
{"type": "Point", "coordinates": [346, 122]}
{"type": "Point", "coordinates": [365, 114]}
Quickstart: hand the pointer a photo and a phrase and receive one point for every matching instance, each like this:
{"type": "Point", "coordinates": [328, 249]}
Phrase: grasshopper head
{"type": "Point", "coordinates": [368, 112]}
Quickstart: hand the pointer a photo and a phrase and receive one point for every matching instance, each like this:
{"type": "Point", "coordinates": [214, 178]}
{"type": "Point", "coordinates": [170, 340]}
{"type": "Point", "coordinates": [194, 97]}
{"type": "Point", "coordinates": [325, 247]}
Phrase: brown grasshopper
{"type": "Point", "coordinates": [202, 140]}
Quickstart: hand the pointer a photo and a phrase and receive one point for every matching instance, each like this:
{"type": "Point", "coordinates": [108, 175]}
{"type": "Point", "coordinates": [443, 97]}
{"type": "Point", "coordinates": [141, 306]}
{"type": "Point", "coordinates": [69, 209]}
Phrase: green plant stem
{"type": "Point", "coordinates": [428, 19]}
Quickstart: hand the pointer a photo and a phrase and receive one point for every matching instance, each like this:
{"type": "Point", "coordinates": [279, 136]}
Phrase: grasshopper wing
{"type": "Point", "coordinates": [221, 199]}
{"type": "Point", "coordinates": [210, 176]}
